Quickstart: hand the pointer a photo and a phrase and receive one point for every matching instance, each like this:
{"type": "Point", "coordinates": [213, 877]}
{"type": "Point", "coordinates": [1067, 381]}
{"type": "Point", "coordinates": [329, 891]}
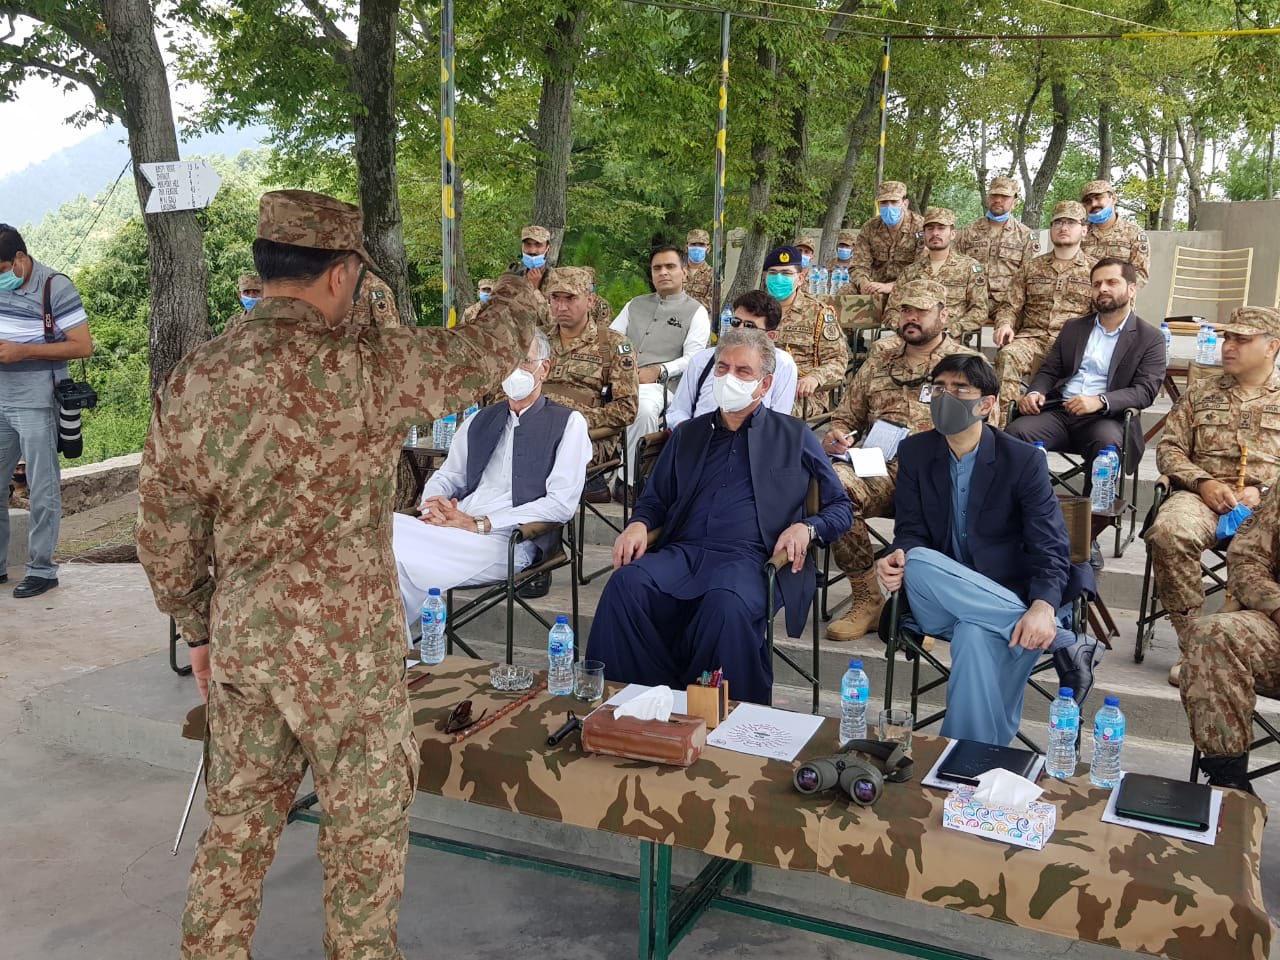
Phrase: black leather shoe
{"type": "Point", "coordinates": [596, 491]}
{"type": "Point", "coordinates": [34, 586]}
{"type": "Point", "coordinates": [536, 587]}
{"type": "Point", "coordinates": [1075, 665]}
{"type": "Point", "coordinates": [1231, 772]}
{"type": "Point", "coordinates": [4, 578]}
{"type": "Point", "coordinates": [621, 491]}
{"type": "Point", "coordinates": [1095, 557]}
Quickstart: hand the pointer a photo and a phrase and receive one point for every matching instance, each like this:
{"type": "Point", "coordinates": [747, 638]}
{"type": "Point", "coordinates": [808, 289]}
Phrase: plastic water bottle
{"type": "Point", "coordinates": [726, 321]}
{"type": "Point", "coordinates": [824, 282]}
{"type": "Point", "coordinates": [855, 691]}
{"type": "Point", "coordinates": [1104, 493]}
{"type": "Point", "coordinates": [560, 658]}
{"type": "Point", "coordinates": [1114, 455]}
{"type": "Point", "coordinates": [1201, 336]}
{"type": "Point", "coordinates": [471, 411]}
{"type": "Point", "coordinates": [1211, 348]}
{"type": "Point", "coordinates": [413, 437]}
{"type": "Point", "coordinates": [1039, 445]}
{"type": "Point", "coordinates": [442, 431]}
{"type": "Point", "coordinates": [1108, 741]}
{"type": "Point", "coordinates": [1064, 730]}
{"type": "Point", "coordinates": [1168, 341]}
{"type": "Point", "coordinates": [813, 280]}
{"type": "Point", "coordinates": [434, 615]}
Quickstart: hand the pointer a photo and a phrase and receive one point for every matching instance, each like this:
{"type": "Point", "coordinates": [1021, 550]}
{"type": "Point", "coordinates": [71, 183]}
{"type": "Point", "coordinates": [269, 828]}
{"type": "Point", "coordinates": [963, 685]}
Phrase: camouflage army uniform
{"type": "Point", "coordinates": [1202, 439]}
{"type": "Point", "coordinates": [698, 283]}
{"type": "Point", "coordinates": [1230, 655]}
{"type": "Point", "coordinates": [880, 255]}
{"type": "Point", "coordinates": [1002, 249]}
{"type": "Point", "coordinates": [1121, 239]}
{"type": "Point", "coordinates": [966, 284]}
{"type": "Point", "coordinates": [274, 451]}
{"type": "Point", "coordinates": [377, 304]}
{"type": "Point", "coordinates": [810, 333]}
{"type": "Point", "coordinates": [1043, 295]}
{"type": "Point", "coordinates": [473, 311]}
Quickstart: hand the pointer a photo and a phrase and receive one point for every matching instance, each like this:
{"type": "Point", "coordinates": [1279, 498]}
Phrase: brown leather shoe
{"type": "Point", "coordinates": [864, 615]}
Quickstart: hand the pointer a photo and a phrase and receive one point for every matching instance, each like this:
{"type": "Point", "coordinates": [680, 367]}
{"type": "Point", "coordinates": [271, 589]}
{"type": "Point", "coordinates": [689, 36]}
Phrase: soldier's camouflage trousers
{"type": "Point", "coordinates": [1016, 363]}
{"type": "Point", "coordinates": [1182, 530]}
{"type": "Point", "coordinates": [1227, 657]}
{"type": "Point", "coordinates": [872, 497]}
{"type": "Point", "coordinates": [356, 735]}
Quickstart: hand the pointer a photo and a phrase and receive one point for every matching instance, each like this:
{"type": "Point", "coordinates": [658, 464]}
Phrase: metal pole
{"type": "Point", "coordinates": [884, 112]}
{"type": "Point", "coordinates": [717, 225]}
{"type": "Point", "coordinates": [191, 797]}
{"type": "Point", "coordinates": [448, 220]}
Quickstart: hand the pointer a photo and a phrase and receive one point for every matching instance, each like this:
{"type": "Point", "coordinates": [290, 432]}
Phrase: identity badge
{"type": "Point", "coordinates": [926, 392]}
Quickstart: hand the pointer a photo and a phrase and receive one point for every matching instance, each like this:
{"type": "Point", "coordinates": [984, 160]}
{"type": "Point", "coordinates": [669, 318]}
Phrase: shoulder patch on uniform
{"type": "Point", "coordinates": [627, 362]}
{"type": "Point", "coordinates": [1249, 523]}
{"type": "Point", "coordinates": [378, 294]}
{"type": "Point", "coordinates": [830, 329]}
{"type": "Point", "coordinates": [977, 267]}
{"type": "Point", "coordinates": [624, 347]}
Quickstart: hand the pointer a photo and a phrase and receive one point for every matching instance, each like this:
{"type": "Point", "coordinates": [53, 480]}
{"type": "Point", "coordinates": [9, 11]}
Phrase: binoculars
{"type": "Point", "coordinates": [859, 770]}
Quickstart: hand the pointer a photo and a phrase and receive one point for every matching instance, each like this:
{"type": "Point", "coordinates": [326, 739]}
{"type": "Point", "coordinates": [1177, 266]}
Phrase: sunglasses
{"type": "Point", "coordinates": [749, 324]}
{"type": "Point", "coordinates": [460, 718]}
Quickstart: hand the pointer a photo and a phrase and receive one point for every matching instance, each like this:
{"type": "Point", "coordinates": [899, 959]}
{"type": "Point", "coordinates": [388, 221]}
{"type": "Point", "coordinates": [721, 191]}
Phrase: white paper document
{"type": "Point", "coordinates": [680, 699]}
{"type": "Point", "coordinates": [932, 779]}
{"type": "Point", "coordinates": [765, 732]}
{"type": "Point", "coordinates": [1207, 837]}
{"type": "Point", "coordinates": [868, 461]}
{"type": "Point", "coordinates": [885, 436]}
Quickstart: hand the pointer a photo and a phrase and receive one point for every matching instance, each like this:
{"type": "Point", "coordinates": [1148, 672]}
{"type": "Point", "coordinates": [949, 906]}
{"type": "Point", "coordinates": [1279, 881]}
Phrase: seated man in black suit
{"type": "Point", "coordinates": [980, 544]}
{"type": "Point", "coordinates": [1099, 366]}
{"type": "Point", "coordinates": [728, 491]}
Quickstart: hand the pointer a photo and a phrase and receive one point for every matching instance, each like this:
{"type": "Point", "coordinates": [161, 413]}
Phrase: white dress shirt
{"type": "Point", "coordinates": [695, 340]}
{"type": "Point", "coordinates": [780, 398]}
{"type": "Point", "coordinates": [1091, 379]}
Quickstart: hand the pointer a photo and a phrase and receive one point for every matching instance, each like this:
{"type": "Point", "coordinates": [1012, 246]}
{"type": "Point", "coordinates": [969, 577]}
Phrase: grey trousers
{"type": "Point", "coordinates": [31, 433]}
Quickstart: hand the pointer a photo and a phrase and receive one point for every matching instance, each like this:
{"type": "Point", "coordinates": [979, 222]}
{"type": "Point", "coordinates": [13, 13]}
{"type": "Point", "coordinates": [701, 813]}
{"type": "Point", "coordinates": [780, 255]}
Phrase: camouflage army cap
{"type": "Point", "coordinates": [924, 294]}
{"type": "Point", "coordinates": [939, 215]}
{"type": "Point", "coordinates": [1096, 186]}
{"type": "Point", "coordinates": [847, 237]}
{"type": "Point", "coordinates": [783, 257]}
{"type": "Point", "coordinates": [485, 283]}
{"type": "Point", "coordinates": [574, 281]}
{"type": "Point", "coordinates": [249, 281]}
{"type": "Point", "coordinates": [536, 234]}
{"type": "Point", "coordinates": [698, 236]}
{"type": "Point", "coordinates": [805, 243]}
{"type": "Point", "coordinates": [301, 218]}
{"type": "Point", "coordinates": [1003, 187]}
{"type": "Point", "coordinates": [1068, 210]}
{"type": "Point", "coordinates": [1248, 321]}
{"type": "Point", "coordinates": [891, 190]}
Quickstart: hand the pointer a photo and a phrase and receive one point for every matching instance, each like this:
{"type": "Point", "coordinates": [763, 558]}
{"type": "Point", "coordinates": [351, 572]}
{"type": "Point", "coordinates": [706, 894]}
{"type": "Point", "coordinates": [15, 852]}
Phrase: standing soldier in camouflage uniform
{"type": "Point", "coordinates": [845, 241]}
{"type": "Point", "coordinates": [1108, 235]}
{"type": "Point", "coordinates": [999, 241]}
{"type": "Point", "coordinates": [274, 451]}
{"type": "Point", "coordinates": [887, 243]}
{"type": "Point", "coordinates": [809, 332]}
{"type": "Point", "coordinates": [1227, 656]}
{"type": "Point", "coordinates": [894, 385]}
{"type": "Point", "coordinates": [601, 312]}
{"type": "Point", "coordinates": [484, 290]}
{"type": "Point", "coordinates": [1218, 422]}
{"type": "Point", "coordinates": [249, 288]}
{"type": "Point", "coordinates": [963, 277]}
{"type": "Point", "coordinates": [593, 368]}
{"type": "Point", "coordinates": [1046, 293]}
{"type": "Point", "coordinates": [700, 276]}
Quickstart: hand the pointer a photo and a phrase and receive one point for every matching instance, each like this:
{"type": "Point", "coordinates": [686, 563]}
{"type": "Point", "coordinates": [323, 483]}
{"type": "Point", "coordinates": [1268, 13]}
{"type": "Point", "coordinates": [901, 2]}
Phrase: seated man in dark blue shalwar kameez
{"type": "Point", "coordinates": [728, 491]}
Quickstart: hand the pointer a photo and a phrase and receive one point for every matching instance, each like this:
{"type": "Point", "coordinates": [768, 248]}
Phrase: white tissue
{"type": "Point", "coordinates": [653, 704]}
{"type": "Point", "coordinates": [1000, 788]}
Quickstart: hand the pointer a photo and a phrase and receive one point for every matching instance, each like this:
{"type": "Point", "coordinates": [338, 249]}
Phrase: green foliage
{"type": "Point", "coordinates": [1247, 173]}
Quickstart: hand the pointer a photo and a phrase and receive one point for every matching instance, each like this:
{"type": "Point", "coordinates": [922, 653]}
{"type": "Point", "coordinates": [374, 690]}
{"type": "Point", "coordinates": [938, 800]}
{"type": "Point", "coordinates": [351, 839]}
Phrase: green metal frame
{"type": "Point", "coordinates": [174, 636]}
{"type": "Point", "coordinates": [600, 471]}
{"type": "Point", "coordinates": [666, 915]}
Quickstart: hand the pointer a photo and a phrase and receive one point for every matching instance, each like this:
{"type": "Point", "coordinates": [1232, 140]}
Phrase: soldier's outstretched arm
{"type": "Point", "coordinates": [423, 373]}
{"type": "Point", "coordinates": [1251, 559]}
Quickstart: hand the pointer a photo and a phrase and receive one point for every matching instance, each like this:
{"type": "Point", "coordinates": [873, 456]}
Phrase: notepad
{"type": "Point", "coordinates": [885, 435]}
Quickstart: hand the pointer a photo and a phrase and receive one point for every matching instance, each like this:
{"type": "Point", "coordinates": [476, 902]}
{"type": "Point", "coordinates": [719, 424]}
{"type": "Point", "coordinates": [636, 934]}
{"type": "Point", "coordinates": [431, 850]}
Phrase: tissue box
{"type": "Point", "coordinates": [678, 741]}
{"type": "Point", "coordinates": [1030, 828]}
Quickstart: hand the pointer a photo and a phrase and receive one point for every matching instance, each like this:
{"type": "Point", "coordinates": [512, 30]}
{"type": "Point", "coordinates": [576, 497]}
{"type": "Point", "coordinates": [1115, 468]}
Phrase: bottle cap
{"type": "Point", "coordinates": [1112, 701]}
{"type": "Point", "coordinates": [855, 664]}
{"type": "Point", "coordinates": [1066, 692]}
{"type": "Point", "coordinates": [562, 619]}
{"type": "Point", "coordinates": [433, 592]}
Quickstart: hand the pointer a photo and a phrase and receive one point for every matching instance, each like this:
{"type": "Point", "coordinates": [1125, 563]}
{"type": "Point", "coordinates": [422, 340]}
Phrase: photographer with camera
{"type": "Point", "coordinates": [30, 368]}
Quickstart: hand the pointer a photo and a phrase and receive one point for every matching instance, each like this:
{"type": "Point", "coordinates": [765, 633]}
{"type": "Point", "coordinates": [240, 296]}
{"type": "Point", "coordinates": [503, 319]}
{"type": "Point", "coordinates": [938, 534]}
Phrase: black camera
{"type": "Point", "coordinates": [860, 770]}
{"type": "Point", "coordinates": [75, 394]}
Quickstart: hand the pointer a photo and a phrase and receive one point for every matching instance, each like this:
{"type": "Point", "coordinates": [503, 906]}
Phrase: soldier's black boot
{"type": "Point", "coordinates": [1231, 772]}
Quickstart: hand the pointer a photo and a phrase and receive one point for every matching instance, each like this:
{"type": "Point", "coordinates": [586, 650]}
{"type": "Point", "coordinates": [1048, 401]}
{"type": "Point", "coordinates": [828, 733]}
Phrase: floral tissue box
{"type": "Point", "coordinates": [1028, 828]}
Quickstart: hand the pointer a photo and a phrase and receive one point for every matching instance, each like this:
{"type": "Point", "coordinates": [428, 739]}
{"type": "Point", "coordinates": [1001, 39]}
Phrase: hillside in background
{"type": "Point", "coordinates": [94, 163]}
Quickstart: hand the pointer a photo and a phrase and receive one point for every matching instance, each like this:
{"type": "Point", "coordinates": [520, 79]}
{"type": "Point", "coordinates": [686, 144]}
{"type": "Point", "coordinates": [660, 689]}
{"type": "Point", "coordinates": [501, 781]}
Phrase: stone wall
{"type": "Point", "coordinates": [97, 483]}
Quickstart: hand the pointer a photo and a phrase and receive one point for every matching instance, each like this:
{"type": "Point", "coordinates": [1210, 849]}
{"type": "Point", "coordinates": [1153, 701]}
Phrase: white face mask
{"type": "Point", "coordinates": [519, 384]}
{"type": "Point", "coordinates": [733, 394]}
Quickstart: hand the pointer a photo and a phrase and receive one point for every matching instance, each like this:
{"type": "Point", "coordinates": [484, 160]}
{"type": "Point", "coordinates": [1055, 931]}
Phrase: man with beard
{"type": "Point", "coordinates": [1099, 366]}
{"type": "Point", "coordinates": [963, 277]}
{"type": "Point", "coordinates": [1110, 236]}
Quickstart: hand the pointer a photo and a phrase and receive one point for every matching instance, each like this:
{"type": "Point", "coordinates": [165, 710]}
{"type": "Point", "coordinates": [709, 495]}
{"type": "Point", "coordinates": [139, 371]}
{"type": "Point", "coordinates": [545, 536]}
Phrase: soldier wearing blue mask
{"type": "Point", "coordinates": [1108, 235]}
{"type": "Point", "coordinates": [999, 241]}
{"type": "Point", "coordinates": [888, 243]}
{"type": "Point", "coordinates": [698, 278]}
{"type": "Point", "coordinates": [808, 331]}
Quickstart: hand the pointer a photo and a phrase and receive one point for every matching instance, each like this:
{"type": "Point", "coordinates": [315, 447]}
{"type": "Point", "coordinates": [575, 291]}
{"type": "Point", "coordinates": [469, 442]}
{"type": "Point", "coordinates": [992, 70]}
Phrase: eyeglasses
{"type": "Point", "coordinates": [460, 718]}
{"type": "Point", "coordinates": [961, 391]}
{"type": "Point", "coordinates": [749, 324]}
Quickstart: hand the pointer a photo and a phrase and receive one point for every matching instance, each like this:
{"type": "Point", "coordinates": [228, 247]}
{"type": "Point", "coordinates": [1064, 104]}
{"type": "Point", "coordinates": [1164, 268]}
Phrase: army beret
{"type": "Point", "coordinates": [536, 234]}
{"type": "Point", "coordinates": [1248, 321]}
{"type": "Point", "coordinates": [891, 190]}
{"type": "Point", "coordinates": [698, 236]}
{"type": "Point", "coordinates": [940, 215]}
{"type": "Point", "coordinates": [1068, 210]}
{"type": "Point", "coordinates": [783, 257]}
{"type": "Point", "coordinates": [1096, 186]}
{"type": "Point", "coordinates": [1003, 187]}
{"type": "Point", "coordinates": [302, 218]}
{"type": "Point", "coordinates": [574, 281]}
{"type": "Point", "coordinates": [923, 294]}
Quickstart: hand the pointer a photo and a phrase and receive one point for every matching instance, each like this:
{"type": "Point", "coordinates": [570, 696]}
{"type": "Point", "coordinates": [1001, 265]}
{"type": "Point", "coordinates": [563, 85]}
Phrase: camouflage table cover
{"type": "Point", "coordinates": [1093, 881]}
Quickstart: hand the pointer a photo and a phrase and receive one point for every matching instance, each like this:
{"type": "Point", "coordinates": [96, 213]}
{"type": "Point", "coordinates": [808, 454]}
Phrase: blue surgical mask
{"type": "Point", "coordinates": [805, 260]}
{"type": "Point", "coordinates": [994, 219]}
{"type": "Point", "coordinates": [779, 285]}
{"type": "Point", "coordinates": [484, 296]}
{"type": "Point", "coordinates": [844, 253]}
{"type": "Point", "coordinates": [891, 216]}
{"type": "Point", "coordinates": [248, 302]}
{"type": "Point", "coordinates": [532, 262]}
{"type": "Point", "coordinates": [1102, 216]}
{"type": "Point", "coordinates": [697, 254]}
{"type": "Point", "coordinates": [10, 280]}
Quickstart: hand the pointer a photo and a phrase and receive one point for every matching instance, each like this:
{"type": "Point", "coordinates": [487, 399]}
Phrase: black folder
{"type": "Point", "coordinates": [968, 758]}
{"type": "Point", "coordinates": [1161, 800]}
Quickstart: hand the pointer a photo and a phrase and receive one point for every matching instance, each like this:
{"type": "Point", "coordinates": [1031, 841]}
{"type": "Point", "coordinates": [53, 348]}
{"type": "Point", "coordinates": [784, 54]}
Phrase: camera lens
{"type": "Point", "coordinates": [807, 778]}
{"type": "Point", "coordinates": [864, 791]}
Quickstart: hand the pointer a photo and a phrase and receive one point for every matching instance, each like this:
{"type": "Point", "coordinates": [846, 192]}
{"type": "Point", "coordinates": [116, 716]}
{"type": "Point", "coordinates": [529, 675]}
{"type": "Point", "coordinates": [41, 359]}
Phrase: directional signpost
{"type": "Point", "coordinates": [181, 185]}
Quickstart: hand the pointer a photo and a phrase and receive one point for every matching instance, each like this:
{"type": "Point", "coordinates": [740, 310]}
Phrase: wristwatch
{"type": "Point", "coordinates": [480, 524]}
{"type": "Point", "coordinates": [813, 532]}
{"type": "Point", "coordinates": [663, 376]}
{"type": "Point", "coordinates": [198, 643]}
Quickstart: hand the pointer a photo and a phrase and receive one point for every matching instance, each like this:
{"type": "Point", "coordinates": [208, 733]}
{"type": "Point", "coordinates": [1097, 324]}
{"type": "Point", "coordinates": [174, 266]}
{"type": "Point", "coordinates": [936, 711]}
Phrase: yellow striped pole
{"type": "Point", "coordinates": [884, 111]}
{"type": "Point", "coordinates": [448, 217]}
{"type": "Point", "coordinates": [717, 219]}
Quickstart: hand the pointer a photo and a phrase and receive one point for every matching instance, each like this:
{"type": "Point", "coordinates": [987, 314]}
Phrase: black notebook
{"type": "Point", "coordinates": [1161, 800]}
{"type": "Point", "coordinates": [968, 758]}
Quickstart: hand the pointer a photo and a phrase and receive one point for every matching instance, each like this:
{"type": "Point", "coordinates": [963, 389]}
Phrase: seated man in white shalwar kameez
{"type": "Point", "coordinates": [522, 460]}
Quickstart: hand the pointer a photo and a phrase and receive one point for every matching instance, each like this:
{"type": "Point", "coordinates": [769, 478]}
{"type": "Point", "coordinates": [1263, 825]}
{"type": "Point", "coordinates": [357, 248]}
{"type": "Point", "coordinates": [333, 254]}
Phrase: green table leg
{"type": "Point", "coordinates": [662, 905]}
{"type": "Point", "coordinates": [646, 899]}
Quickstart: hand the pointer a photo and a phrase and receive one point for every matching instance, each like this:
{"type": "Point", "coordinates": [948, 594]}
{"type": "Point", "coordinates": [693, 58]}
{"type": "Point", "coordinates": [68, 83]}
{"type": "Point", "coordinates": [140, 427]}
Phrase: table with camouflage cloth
{"type": "Point", "coordinates": [1093, 881]}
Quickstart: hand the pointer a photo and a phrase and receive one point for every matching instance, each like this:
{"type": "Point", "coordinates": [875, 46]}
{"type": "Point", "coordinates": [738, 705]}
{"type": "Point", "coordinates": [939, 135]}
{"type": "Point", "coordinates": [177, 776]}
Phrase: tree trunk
{"type": "Point", "coordinates": [1104, 141]}
{"type": "Point", "coordinates": [1169, 193]}
{"type": "Point", "coordinates": [554, 139]}
{"type": "Point", "coordinates": [756, 245]}
{"type": "Point", "coordinates": [1031, 211]}
{"type": "Point", "coordinates": [793, 158]}
{"type": "Point", "coordinates": [373, 66]}
{"type": "Point", "coordinates": [1020, 140]}
{"type": "Point", "coordinates": [175, 246]}
{"type": "Point", "coordinates": [1191, 140]}
{"type": "Point", "coordinates": [464, 289]}
{"type": "Point", "coordinates": [1271, 165]}
{"type": "Point", "coordinates": [838, 197]}
{"type": "Point", "coordinates": [980, 169]}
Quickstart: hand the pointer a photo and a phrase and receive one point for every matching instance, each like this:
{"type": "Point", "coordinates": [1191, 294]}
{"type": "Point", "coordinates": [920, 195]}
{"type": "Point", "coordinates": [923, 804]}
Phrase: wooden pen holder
{"type": "Point", "coordinates": [709, 703]}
